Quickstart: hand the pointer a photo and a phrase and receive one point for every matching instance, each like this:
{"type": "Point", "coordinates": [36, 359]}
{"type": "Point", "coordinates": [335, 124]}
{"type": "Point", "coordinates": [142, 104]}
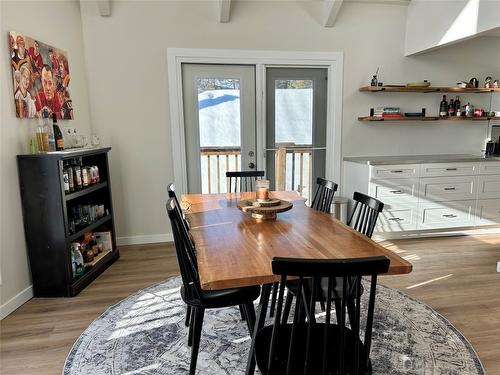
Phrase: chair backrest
{"type": "Point", "coordinates": [365, 213]}
{"type": "Point", "coordinates": [185, 252]}
{"type": "Point", "coordinates": [324, 348]}
{"type": "Point", "coordinates": [324, 195]}
{"type": "Point", "coordinates": [243, 180]}
{"type": "Point", "coordinates": [172, 195]}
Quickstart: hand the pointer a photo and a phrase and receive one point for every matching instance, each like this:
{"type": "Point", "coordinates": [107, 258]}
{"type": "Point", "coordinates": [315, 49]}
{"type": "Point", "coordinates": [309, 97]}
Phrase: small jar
{"type": "Point", "coordinates": [262, 190]}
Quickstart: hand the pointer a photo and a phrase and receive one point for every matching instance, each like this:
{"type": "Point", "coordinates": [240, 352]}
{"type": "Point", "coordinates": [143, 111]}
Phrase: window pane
{"type": "Point", "coordinates": [219, 112]}
{"type": "Point", "coordinates": [293, 111]}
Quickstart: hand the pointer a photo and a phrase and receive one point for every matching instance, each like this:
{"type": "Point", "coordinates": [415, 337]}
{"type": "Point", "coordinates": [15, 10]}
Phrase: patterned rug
{"type": "Point", "coordinates": [145, 334]}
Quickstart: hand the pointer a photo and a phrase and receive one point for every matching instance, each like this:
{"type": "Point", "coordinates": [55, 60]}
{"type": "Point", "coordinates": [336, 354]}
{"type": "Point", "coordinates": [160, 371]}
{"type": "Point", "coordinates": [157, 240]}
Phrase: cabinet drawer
{"type": "Point", "coordinates": [488, 211]}
{"type": "Point", "coordinates": [394, 171]}
{"type": "Point", "coordinates": [449, 169]}
{"type": "Point", "coordinates": [398, 189]}
{"type": "Point", "coordinates": [448, 188]}
{"type": "Point", "coordinates": [489, 167]}
{"type": "Point", "coordinates": [488, 187]}
{"type": "Point", "coordinates": [397, 219]}
{"type": "Point", "coordinates": [446, 214]}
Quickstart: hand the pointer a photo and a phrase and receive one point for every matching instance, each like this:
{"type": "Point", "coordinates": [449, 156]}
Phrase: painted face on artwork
{"type": "Point", "coordinates": [37, 51]}
{"type": "Point", "coordinates": [25, 79]}
{"type": "Point", "coordinates": [62, 70]}
{"type": "Point", "coordinates": [20, 44]}
{"type": "Point", "coordinates": [12, 43]}
{"type": "Point", "coordinates": [48, 84]}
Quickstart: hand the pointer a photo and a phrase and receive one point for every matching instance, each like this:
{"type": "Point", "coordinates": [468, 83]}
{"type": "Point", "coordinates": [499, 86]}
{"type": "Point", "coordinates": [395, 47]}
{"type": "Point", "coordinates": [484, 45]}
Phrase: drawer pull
{"type": "Point", "coordinates": [396, 219]}
{"type": "Point", "coordinates": [398, 171]}
{"type": "Point", "coordinates": [396, 191]}
{"type": "Point", "coordinates": [451, 169]}
{"type": "Point", "coordinates": [450, 188]}
{"type": "Point", "coordinates": [450, 216]}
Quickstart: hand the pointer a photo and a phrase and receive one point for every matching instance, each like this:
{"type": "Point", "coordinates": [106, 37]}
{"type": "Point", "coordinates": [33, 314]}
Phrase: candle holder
{"type": "Point", "coordinates": [262, 190]}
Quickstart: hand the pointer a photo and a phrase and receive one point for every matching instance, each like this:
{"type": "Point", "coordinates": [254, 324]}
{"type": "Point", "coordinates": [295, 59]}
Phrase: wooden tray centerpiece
{"type": "Point", "coordinates": [264, 209]}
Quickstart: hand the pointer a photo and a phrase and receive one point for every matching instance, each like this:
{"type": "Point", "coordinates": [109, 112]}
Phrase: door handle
{"type": "Point", "coordinates": [251, 165]}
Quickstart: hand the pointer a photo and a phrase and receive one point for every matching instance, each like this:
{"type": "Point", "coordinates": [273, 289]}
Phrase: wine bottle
{"type": "Point", "coordinates": [458, 107]}
{"type": "Point", "coordinates": [57, 134]}
{"type": "Point", "coordinates": [451, 108]}
{"type": "Point", "coordinates": [443, 107]}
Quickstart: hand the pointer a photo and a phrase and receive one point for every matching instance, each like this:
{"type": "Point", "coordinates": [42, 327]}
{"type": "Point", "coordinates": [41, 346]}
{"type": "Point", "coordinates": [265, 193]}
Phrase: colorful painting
{"type": "Point", "coordinates": [40, 76]}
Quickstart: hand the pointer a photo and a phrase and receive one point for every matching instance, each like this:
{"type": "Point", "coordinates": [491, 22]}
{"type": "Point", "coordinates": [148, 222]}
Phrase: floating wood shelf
{"type": "Point", "coordinates": [427, 118]}
{"type": "Point", "coordinates": [426, 89]}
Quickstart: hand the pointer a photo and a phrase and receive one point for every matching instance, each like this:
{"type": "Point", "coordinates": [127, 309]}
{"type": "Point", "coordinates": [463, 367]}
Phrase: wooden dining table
{"type": "Point", "coordinates": [236, 250]}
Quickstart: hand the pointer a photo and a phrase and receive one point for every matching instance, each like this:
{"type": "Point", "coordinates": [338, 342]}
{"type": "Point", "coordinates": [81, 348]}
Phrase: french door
{"type": "Point", "coordinates": [219, 123]}
{"type": "Point", "coordinates": [296, 128]}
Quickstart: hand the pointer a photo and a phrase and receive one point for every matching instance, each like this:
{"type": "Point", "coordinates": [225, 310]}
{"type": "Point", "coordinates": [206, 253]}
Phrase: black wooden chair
{"type": "Point", "coordinates": [363, 219]}
{"type": "Point", "coordinates": [314, 348]}
{"type": "Point", "coordinates": [243, 180]}
{"type": "Point", "coordinates": [324, 195]}
{"type": "Point", "coordinates": [197, 298]}
{"type": "Point", "coordinates": [322, 201]}
{"type": "Point", "coordinates": [365, 213]}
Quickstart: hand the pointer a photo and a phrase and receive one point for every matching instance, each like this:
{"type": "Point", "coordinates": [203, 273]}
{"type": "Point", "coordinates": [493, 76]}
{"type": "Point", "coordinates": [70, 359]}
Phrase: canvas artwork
{"type": "Point", "coordinates": [40, 77]}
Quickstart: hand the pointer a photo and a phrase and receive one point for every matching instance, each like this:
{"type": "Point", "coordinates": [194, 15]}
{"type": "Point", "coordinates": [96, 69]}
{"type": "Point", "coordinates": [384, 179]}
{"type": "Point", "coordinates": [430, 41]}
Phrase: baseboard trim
{"type": "Point", "coordinates": [144, 239]}
{"type": "Point", "coordinates": [15, 302]}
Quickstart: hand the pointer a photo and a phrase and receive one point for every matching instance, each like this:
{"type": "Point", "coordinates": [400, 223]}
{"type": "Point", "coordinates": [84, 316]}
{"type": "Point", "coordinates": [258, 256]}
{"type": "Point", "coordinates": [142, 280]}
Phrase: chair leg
{"type": "Point", "coordinates": [351, 312]}
{"type": "Point", "coordinates": [188, 316]}
{"type": "Point", "coordinates": [273, 299]}
{"type": "Point", "coordinates": [286, 309]}
{"type": "Point", "coordinates": [198, 324]}
{"type": "Point", "coordinates": [338, 308]}
{"type": "Point", "coordinates": [242, 313]}
{"type": "Point", "coordinates": [191, 326]}
{"type": "Point", "coordinates": [250, 314]}
{"type": "Point", "coordinates": [322, 305]}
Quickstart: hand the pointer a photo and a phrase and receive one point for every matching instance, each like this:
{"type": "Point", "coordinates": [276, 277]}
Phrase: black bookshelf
{"type": "Point", "coordinates": [46, 209]}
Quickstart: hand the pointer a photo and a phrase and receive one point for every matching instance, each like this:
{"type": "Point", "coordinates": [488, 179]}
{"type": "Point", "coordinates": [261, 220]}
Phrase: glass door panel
{"type": "Point", "coordinates": [219, 107]}
{"type": "Point", "coordinates": [296, 128]}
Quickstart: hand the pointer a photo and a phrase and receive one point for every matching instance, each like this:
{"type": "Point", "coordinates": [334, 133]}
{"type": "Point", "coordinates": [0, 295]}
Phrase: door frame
{"type": "Point", "coordinates": [333, 61]}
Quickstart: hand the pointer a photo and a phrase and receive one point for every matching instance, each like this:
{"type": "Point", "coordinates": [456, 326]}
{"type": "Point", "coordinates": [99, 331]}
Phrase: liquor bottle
{"type": "Point", "coordinates": [458, 107]}
{"type": "Point", "coordinates": [85, 176]}
{"type": "Point", "coordinates": [42, 137]}
{"type": "Point", "coordinates": [49, 131]}
{"type": "Point", "coordinates": [66, 180]}
{"type": "Point", "coordinates": [443, 107]}
{"type": "Point", "coordinates": [57, 134]}
{"type": "Point", "coordinates": [71, 180]}
{"type": "Point", "coordinates": [451, 108]}
{"type": "Point", "coordinates": [77, 171]}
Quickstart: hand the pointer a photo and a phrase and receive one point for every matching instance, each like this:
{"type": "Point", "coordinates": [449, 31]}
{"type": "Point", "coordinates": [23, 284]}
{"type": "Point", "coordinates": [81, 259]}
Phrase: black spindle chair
{"type": "Point", "coordinates": [324, 195]}
{"type": "Point", "coordinates": [197, 298]}
{"type": "Point", "coordinates": [365, 213]}
{"type": "Point", "coordinates": [243, 180]}
{"type": "Point", "coordinates": [312, 347]}
{"type": "Point", "coordinates": [363, 219]}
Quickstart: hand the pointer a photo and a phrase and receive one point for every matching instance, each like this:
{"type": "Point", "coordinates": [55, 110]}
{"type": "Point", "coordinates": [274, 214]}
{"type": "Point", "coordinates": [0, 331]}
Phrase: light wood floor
{"type": "Point", "coordinates": [456, 276]}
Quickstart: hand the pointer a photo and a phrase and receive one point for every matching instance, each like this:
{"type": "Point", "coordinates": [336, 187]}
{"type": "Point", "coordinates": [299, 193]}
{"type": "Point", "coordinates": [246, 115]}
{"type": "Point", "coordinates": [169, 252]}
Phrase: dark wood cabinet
{"type": "Point", "coordinates": [47, 211]}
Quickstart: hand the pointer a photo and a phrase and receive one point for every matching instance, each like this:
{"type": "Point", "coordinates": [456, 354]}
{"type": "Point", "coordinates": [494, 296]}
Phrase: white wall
{"type": "Point", "coordinates": [126, 56]}
{"type": "Point", "coordinates": [432, 24]}
{"type": "Point", "coordinates": [57, 23]}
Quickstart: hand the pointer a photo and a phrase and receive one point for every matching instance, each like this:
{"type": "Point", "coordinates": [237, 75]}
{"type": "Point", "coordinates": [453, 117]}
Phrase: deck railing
{"type": "Point", "coordinates": [293, 168]}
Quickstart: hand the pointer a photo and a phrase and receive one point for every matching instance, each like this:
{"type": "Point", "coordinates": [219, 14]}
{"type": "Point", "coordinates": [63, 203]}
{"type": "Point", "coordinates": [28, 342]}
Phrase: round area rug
{"type": "Point", "coordinates": [145, 334]}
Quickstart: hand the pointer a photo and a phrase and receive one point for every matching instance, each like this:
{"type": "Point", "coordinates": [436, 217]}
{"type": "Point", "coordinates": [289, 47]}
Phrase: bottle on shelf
{"type": "Point", "coordinates": [42, 138]}
{"type": "Point", "coordinates": [66, 179]}
{"type": "Point", "coordinates": [49, 130]}
{"type": "Point", "coordinates": [58, 137]}
{"type": "Point", "coordinates": [85, 176]}
{"type": "Point", "coordinates": [71, 179]}
{"type": "Point", "coordinates": [451, 108]}
{"type": "Point", "coordinates": [77, 172]}
{"type": "Point", "coordinates": [443, 107]}
{"type": "Point", "coordinates": [78, 265]}
{"type": "Point", "coordinates": [458, 107]}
